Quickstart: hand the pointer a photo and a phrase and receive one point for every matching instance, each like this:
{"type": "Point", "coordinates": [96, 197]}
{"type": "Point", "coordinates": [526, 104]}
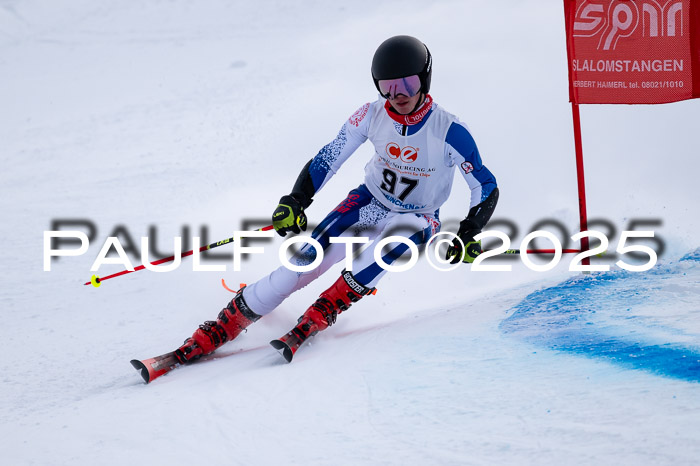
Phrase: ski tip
{"type": "Point", "coordinates": [283, 348]}
{"type": "Point", "coordinates": [139, 366]}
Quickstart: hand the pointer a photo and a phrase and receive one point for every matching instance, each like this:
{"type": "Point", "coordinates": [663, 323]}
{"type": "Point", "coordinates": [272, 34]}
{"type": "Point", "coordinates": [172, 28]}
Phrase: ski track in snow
{"type": "Point", "coordinates": [172, 114]}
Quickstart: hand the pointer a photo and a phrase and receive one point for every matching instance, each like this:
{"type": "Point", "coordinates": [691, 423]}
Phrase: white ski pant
{"type": "Point", "coordinates": [358, 215]}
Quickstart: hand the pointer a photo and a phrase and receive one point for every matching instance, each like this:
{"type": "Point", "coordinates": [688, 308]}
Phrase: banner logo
{"type": "Point", "coordinates": [612, 21]}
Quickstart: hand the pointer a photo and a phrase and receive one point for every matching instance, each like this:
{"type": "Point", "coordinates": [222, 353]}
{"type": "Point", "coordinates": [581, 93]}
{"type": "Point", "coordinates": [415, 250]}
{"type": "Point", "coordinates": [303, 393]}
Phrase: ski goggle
{"type": "Point", "coordinates": [408, 86]}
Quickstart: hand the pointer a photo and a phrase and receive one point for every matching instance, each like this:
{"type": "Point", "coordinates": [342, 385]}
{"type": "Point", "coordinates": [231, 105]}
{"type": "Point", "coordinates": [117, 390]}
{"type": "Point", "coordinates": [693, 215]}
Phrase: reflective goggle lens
{"type": "Point", "coordinates": [408, 86]}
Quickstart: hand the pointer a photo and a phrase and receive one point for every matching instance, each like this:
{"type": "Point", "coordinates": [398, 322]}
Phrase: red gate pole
{"type": "Point", "coordinates": [583, 216]}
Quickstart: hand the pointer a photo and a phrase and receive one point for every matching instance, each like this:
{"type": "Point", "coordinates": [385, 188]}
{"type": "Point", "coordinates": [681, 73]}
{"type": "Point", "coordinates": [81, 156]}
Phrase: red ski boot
{"type": "Point", "coordinates": [322, 314]}
{"type": "Point", "coordinates": [232, 320]}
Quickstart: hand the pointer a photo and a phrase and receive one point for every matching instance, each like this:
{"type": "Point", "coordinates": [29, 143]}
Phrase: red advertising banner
{"type": "Point", "coordinates": [633, 51]}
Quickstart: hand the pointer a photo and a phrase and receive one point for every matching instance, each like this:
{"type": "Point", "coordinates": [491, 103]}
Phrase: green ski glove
{"type": "Point", "coordinates": [289, 216]}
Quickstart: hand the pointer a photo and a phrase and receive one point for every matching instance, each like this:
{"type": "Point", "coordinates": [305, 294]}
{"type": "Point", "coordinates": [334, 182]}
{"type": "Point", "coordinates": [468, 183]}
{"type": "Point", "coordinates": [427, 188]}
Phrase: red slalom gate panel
{"type": "Point", "coordinates": [633, 51]}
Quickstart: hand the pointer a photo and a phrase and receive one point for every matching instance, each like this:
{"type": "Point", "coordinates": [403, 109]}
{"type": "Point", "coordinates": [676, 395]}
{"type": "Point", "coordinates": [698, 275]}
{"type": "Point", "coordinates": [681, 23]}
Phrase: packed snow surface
{"type": "Point", "coordinates": [181, 118]}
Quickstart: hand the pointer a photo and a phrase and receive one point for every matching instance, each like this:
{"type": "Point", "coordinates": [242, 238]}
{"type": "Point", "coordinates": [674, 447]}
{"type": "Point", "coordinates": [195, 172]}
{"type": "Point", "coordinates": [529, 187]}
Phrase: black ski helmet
{"type": "Point", "coordinates": [401, 56]}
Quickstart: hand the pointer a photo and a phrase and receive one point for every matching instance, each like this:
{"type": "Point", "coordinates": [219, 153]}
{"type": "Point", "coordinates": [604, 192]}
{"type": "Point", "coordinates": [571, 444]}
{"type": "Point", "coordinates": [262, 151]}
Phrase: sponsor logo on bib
{"type": "Point", "coordinates": [407, 154]}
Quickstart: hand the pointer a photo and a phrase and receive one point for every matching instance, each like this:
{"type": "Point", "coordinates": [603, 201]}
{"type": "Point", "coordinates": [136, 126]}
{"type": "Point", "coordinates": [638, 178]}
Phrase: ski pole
{"type": "Point", "coordinates": [541, 251]}
{"type": "Point", "coordinates": [95, 280]}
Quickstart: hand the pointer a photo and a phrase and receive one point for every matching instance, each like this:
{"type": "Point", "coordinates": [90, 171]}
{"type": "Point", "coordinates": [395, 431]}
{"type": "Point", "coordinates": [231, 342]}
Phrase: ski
{"type": "Point", "coordinates": [284, 349]}
{"type": "Point", "coordinates": [153, 368]}
{"type": "Point", "coordinates": [290, 343]}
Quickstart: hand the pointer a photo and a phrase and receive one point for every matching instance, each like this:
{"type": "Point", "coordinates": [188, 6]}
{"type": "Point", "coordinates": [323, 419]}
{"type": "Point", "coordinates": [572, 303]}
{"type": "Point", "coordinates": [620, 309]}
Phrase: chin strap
{"type": "Point", "coordinates": [412, 118]}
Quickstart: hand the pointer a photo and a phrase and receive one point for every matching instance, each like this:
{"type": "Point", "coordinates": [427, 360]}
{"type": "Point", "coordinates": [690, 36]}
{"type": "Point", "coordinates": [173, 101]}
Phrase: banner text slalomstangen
{"type": "Point", "coordinates": [633, 51]}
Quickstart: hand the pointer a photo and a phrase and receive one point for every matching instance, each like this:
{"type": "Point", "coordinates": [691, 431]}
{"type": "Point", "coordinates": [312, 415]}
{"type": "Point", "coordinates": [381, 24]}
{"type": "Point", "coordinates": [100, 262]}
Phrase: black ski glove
{"type": "Point", "coordinates": [289, 216]}
{"type": "Point", "coordinates": [471, 226]}
{"type": "Point", "coordinates": [472, 248]}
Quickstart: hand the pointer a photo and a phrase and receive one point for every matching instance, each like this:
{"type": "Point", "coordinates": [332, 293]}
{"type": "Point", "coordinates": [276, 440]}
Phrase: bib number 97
{"type": "Point", "coordinates": [389, 184]}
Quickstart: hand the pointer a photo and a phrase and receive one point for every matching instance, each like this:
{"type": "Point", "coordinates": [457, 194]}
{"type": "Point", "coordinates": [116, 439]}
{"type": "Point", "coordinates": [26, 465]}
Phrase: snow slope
{"type": "Point", "coordinates": [623, 317]}
{"type": "Point", "coordinates": [202, 113]}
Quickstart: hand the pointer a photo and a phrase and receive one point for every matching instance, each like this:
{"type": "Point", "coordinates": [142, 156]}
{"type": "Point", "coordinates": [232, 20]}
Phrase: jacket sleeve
{"type": "Point", "coordinates": [319, 170]}
{"type": "Point", "coordinates": [463, 152]}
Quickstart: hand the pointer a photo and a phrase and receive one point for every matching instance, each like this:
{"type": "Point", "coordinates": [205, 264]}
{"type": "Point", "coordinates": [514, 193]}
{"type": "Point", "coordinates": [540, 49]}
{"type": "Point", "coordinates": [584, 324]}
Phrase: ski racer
{"type": "Point", "coordinates": [417, 145]}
